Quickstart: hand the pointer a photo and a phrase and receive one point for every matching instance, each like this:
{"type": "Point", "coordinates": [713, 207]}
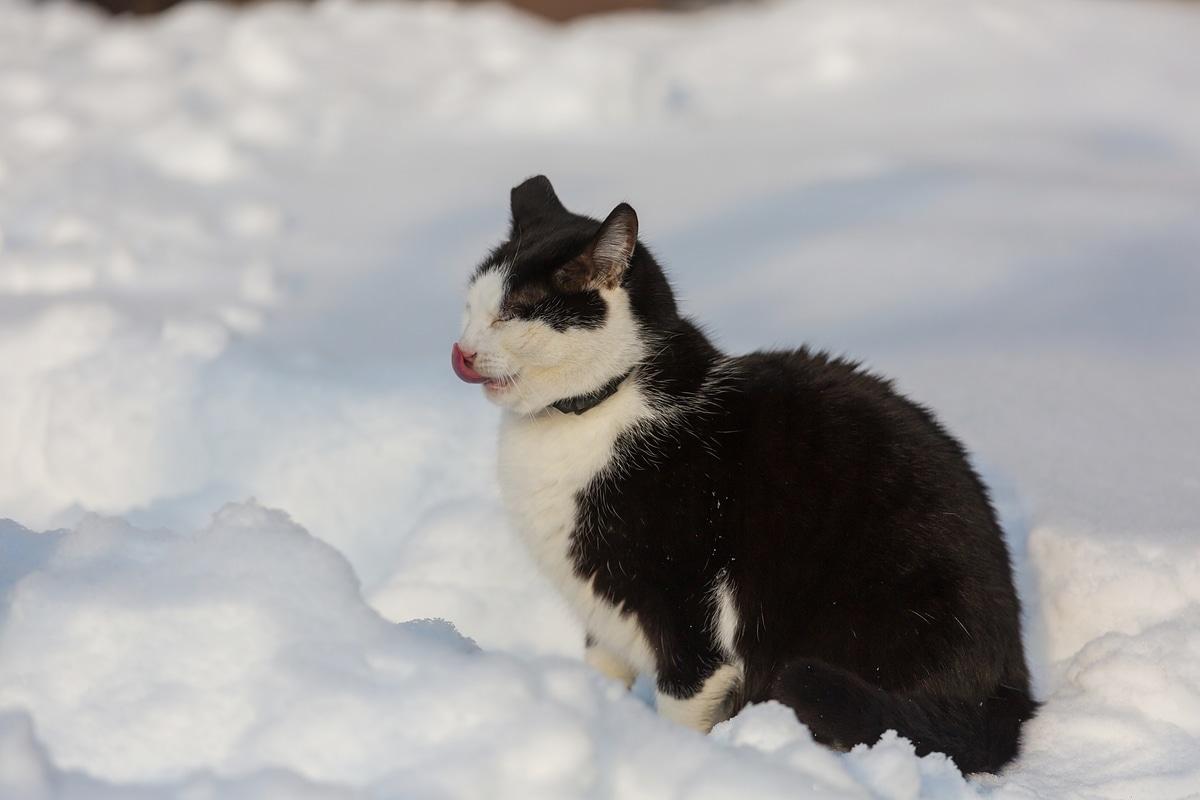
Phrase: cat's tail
{"type": "Point", "coordinates": [842, 710]}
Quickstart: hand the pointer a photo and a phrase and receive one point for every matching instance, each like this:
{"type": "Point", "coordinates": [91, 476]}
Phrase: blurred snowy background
{"type": "Point", "coordinates": [233, 244]}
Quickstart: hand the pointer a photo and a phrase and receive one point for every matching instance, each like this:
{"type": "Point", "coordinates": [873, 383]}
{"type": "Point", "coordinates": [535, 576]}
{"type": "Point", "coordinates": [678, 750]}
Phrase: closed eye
{"type": "Point", "coordinates": [514, 312]}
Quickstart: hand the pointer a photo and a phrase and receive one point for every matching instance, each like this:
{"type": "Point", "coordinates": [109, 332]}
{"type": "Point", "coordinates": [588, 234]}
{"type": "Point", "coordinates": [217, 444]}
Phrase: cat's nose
{"type": "Point", "coordinates": [462, 361]}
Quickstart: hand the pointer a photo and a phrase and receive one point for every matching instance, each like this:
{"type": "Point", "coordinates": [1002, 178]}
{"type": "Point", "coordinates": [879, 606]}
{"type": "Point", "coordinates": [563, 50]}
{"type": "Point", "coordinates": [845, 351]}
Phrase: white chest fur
{"type": "Point", "coordinates": [545, 462]}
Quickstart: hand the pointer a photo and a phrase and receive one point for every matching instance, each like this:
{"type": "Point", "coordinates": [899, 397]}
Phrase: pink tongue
{"type": "Point", "coordinates": [461, 368]}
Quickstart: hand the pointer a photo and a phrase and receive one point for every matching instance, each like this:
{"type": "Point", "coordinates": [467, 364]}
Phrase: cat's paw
{"type": "Point", "coordinates": [707, 707]}
{"type": "Point", "coordinates": [610, 665]}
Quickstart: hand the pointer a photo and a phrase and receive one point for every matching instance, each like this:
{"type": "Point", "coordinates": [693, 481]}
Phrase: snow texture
{"type": "Point", "coordinates": [232, 253]}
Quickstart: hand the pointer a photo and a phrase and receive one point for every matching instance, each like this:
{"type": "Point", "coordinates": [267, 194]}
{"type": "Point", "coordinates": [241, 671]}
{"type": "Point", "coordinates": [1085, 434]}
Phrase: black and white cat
{"type": "Point", "coordinates": [780, 525]}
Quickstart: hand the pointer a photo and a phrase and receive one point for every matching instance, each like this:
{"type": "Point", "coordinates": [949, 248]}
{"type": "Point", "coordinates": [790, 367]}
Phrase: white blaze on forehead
{"type": "Point", "coordinates": [483, 306]}
{"type": "Point", "coordinates": [485, 294]}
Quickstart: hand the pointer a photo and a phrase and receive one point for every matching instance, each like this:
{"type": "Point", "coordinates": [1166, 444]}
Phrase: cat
{"type": "Point", "coordinates": [776, 526]}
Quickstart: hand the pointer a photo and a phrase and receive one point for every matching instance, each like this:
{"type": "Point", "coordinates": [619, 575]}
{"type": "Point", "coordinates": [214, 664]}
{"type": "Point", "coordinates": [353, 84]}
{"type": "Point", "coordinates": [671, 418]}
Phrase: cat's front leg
{"type": "Point", "coordinates": [701, 700]}
{"type": "Point", "coordinates": [608, 663]}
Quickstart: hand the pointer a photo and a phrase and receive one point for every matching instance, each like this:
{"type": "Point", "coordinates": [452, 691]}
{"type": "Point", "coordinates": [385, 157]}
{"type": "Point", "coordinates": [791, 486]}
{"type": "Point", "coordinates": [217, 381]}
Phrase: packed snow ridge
{"type": "Point", "coordinates": [232, 251]}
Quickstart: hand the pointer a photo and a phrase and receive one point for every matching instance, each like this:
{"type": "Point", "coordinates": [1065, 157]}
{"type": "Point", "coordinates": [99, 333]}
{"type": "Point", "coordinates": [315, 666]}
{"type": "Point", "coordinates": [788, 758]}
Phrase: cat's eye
{"type": "Point", "coordinates": [512, 312]}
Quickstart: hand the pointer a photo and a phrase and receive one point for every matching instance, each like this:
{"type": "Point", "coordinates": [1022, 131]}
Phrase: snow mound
{"type": "Point", "coordinates": [28, 773]}
{"type": "Point", "coordinates": [243, 656]}
{"type": "Point", "coordinates": [1123, 718]}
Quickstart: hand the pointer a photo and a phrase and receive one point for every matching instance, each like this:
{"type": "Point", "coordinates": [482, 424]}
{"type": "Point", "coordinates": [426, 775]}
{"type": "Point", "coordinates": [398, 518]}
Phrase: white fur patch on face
{"type": "Point", "coordinates": [706, 707]}
{"type": "Point", "coordinates": [484, 296]}
{"type": "Point", "coordinates": [546, 365]}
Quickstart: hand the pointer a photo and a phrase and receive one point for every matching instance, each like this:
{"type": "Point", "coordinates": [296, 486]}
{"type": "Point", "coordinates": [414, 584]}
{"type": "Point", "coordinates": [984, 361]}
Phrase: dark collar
{"type": "Point", "coordinates": [586, 402]}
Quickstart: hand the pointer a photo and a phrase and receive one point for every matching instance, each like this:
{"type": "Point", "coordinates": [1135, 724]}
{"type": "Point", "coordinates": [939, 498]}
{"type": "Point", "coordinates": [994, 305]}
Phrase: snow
{"type": "Point", "coordinates": [232, 251]}
{"type": "Point", "coordinates": [248, 646]}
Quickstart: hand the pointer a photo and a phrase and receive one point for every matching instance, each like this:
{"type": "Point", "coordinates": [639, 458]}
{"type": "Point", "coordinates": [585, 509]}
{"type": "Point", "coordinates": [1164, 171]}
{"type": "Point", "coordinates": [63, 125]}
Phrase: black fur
{"type": "Point", "coordinates": [870, 575]}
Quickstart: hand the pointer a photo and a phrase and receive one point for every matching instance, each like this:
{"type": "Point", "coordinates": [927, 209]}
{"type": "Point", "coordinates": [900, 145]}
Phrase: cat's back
{"type": "Point", "coordinates": [804, 385]}
{"type": "Point", "coordinates": [832, 412]}
{"type": "Point", "coordinates": [807, 436]}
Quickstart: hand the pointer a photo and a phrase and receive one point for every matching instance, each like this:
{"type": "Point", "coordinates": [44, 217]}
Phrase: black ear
{"type": "Point", "coordinates": [613, 246]}
{"type": "Point", "coordinates": [603, 263]}
{"type": "Point", "coordinates": [534, 200]}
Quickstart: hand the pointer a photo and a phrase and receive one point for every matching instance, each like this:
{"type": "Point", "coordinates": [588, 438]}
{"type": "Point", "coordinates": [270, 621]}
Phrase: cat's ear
{"type": "Point", "coordinates": [603, 263]}
{"type": "Point", "coordinates": [534, 200]}
{"type": "Point", "coordinates": [613, 246]}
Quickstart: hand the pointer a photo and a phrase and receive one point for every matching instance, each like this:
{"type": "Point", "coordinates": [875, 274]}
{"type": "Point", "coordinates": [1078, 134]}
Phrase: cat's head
{"type": "Point", "coordinates": [562, 308]}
